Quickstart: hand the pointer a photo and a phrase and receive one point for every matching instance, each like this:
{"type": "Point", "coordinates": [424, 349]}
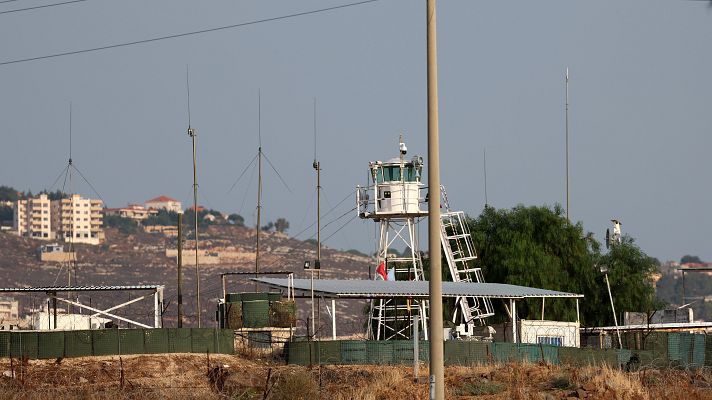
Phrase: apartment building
{"type": "Point", "coordinates": [33, 218]}
{"type": "Point", "coordinates": [9, 308]}
{"type": "Point", "coordinates": [78, 220]}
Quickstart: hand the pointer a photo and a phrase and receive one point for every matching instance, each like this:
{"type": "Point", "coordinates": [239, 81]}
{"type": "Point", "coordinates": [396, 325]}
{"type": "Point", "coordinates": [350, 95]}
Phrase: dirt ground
{"type": "Point", "coordinates": [193, 376]}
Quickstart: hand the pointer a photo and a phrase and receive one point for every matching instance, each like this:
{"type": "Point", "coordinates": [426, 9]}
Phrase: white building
{"type": "Point", "coordinates": [43, 320]}
{"type": "Point", "coordinates": [135, 212]}
{"type": "Point", "coordinates": [164, 203]}
{"type": "Point", "coordinates": [78, 220]}
{"type": "Point", "coordinates": [9, 308]}
{"type": "Point", "coordinates": [32, 217]}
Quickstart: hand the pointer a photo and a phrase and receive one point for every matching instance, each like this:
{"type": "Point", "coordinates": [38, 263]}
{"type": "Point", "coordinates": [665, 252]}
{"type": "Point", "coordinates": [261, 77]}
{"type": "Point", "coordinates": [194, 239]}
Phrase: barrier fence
{"type": "Point", "coordinates": [105, 342]}
{"type": "Point", "coordinates": [657, 350]}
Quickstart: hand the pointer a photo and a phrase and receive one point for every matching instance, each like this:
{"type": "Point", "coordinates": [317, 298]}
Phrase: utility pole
{"type": "Point", "coordinates": [437, 370]}
{"type": "Point", "coordinates": [567, 144]}
{"type": "Point", "coordinates": [180, 269]}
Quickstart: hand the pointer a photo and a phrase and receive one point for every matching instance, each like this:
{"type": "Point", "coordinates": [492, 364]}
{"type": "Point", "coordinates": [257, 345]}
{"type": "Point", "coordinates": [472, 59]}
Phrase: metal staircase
{"type": "Point", "coordinates": [460, 254]}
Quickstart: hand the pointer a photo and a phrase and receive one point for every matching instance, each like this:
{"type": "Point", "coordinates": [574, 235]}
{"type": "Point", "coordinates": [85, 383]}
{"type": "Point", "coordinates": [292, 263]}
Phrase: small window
{"type": "Point", "coordinates": [550, 340]}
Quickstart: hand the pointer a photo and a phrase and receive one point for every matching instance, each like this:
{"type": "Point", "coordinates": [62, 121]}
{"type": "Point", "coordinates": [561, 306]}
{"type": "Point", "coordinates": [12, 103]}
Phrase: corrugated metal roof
{"type": "Point", "coordinates": [80, 288]}
{"type": "Point", "coordinates": [389, 289]}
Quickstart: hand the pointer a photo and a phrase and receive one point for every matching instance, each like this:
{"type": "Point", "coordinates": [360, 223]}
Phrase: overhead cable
{"type": "Point", "coordinates": [178, 35]}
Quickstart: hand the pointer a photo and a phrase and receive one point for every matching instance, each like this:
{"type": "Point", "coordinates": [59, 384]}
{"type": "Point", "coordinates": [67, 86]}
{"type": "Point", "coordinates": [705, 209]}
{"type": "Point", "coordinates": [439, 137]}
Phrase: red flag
{"type": "Point", "coordinates": [381, 270]}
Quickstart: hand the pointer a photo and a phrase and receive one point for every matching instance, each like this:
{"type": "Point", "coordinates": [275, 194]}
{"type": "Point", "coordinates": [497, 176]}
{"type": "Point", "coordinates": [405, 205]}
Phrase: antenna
{"type": "Point", "coordinates": [484, 153]}
{"type": "Point", "coordinates": [259, 183]}
{"type": "Point", "coordinates": [192, 134]}
{"type": "Point", "coordinates": [567, 144]}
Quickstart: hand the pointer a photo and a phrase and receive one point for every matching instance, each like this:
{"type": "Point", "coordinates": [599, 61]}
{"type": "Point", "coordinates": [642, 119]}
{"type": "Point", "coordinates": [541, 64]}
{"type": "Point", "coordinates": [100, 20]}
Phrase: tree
{"type": "Point", "coordinates": [8, 193]}
{"type": "Point", "coordinates": [236, 219]}
{"type": "Point", "coordinates": [539, 247]}
{"type": "Point", "coordinates": [690, 259]}
{"type": "Point", "coordinates": [630, 273]}
{"type": "Point", "coordinates": [123, 224]}
{"type": "Point", "coordinates": [281, 225]}
{"type": "Point", "coordinates": [6, 214]}
{"type": "Point", "coordinates": [166, 218]}
{"type": "Point", "coordinates": [268, 227]}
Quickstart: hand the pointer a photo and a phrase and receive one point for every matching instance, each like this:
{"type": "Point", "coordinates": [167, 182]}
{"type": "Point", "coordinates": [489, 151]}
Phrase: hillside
{"type": "Point", "coordinates": [140, 258]}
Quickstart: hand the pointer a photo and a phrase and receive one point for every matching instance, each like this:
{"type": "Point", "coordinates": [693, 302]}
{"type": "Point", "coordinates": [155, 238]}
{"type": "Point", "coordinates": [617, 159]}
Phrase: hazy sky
{"type": "Point", "coordinates": [640, 95]}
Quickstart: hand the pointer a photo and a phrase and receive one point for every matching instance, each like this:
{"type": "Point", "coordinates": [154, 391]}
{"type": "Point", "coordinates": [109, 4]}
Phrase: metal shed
{"type": "Point", "coordinates": [368, 289]}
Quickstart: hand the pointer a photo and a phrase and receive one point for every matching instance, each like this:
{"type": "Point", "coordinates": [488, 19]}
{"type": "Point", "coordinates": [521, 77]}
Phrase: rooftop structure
{"type": "Point", "coordinates": [164, 203]}
{"type": "Point", "coordinates": [136, 212]}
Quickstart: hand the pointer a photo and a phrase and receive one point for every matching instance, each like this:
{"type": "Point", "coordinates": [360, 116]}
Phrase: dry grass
{"type": "Point", "coordinates": [185, 376]}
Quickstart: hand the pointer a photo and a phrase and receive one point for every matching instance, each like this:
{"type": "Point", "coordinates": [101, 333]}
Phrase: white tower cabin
{"type": "Point", "coordinates": [394, 198]}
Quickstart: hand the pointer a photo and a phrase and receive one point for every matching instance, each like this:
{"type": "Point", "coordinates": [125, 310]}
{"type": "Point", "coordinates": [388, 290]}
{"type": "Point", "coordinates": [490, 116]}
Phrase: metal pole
{"type": "Point", "coordinates": [312, 302]}
{"type": "Point", "coordinates": [437, 369]}
{"type": "Point", "coordinates": [259, 185]}
{"type": "Point", "coordinates": [615, 318]}
{"type": "Point", "coordinates": [54, 308]}
{"type": "Point", "coordinates": [683, 289]}
{"type": "Point", "coordinates": [416, 349]}
{"type": "Point", "coordinates": [156, 310]}
{"type": "Point", "coordinates": [180, 269]}
{"type": "Point", "coordinates": [514, 320]}
{"type": "Point", "coordinates": [333, 319]}
{"type": "Point", "coordinates": [191, 132]}
{"type": "Point", "coordinates": [567, 144]}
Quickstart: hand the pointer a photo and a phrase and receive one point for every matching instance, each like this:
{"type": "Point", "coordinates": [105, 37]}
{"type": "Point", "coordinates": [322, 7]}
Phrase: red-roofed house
{"type": "Point", "coordinates": [164, 203]}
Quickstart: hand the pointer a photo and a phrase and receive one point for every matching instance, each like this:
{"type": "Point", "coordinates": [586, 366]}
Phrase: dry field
{"type": "Point", "coordinates": [192, 376]}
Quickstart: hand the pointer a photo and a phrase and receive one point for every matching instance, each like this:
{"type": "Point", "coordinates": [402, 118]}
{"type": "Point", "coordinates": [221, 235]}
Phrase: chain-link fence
{"type": "Point", "coordinates": [105, 342]}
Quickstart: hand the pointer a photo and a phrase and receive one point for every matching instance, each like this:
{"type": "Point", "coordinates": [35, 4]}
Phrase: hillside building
{"type": "Point", "coordinates": [135, 212]}
{"type": "Point", "coordinates": [74, 218]}
{"type": "Point", "coordinates": [32, 218]}
{"type": "Point", "coordinates": [78, 220]}
{"type": "Point", "coordinates": [164, 203]}
{"type": "Point", "coordinates": [9, 308]}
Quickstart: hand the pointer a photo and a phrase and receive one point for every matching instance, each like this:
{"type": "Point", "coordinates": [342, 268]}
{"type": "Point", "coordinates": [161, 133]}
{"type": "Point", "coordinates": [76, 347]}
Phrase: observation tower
{"type": "Point", "coordinates": [395, 198]}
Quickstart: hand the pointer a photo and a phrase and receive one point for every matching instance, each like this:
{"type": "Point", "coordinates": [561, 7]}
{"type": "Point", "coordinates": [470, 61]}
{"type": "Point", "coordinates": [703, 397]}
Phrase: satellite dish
{"type": "Point", "coordinates": [608, 238]}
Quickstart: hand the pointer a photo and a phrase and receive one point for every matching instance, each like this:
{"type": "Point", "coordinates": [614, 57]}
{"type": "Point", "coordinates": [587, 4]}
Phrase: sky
{"type": "Point", "coordinates": [640, 91]}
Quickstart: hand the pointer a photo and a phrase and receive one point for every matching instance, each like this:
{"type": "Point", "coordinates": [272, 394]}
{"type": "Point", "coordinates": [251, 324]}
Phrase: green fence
{"type": "Point", "coordinates": [106, 342]}
{"type": "Point", "coordinates": [676, 350]}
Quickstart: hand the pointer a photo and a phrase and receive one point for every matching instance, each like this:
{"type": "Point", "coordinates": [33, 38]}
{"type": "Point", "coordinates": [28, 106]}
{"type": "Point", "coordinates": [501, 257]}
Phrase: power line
{"type": "Point", "coordinates": [42, 6]}
{"type": "Point", "coordinates": [178, 35]}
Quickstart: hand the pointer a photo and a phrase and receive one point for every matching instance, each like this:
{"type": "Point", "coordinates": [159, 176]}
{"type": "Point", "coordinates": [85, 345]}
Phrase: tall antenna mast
{"type": "Point", "coordinates": [191, 133]}
{"type": "Point", "coordinates": [317, 167]}
{"type": "Point", "coordinates": [72, 261]}
{"type": "Point", "coordinates": [484, 153]}
{"type": "Point", "coordinates": [259, 180]}
{"type": "Point", "coordinates": [567, 144]}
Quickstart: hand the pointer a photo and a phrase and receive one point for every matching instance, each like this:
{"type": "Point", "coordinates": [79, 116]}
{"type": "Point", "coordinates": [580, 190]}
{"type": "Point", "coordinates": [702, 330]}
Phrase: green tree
{"type": "Point", "coordinates": [539, 247]}
{"type": "Point", "coordinates": [281, 225]}
{"type": "Point", "coordinates": [690, 259]}
{"type": "Point", "coordinates": [6, 214]}
{"type": "Point", "coordinates": [8, 193]}
{"type": "Point", "coordinates": [236, 219]}
{"type": "Point", "coordinates": [165, 218]}
{"type": "Point", "coordinates": [124, 225]}
{"type": "Point", "coordinates": [630, 273]}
